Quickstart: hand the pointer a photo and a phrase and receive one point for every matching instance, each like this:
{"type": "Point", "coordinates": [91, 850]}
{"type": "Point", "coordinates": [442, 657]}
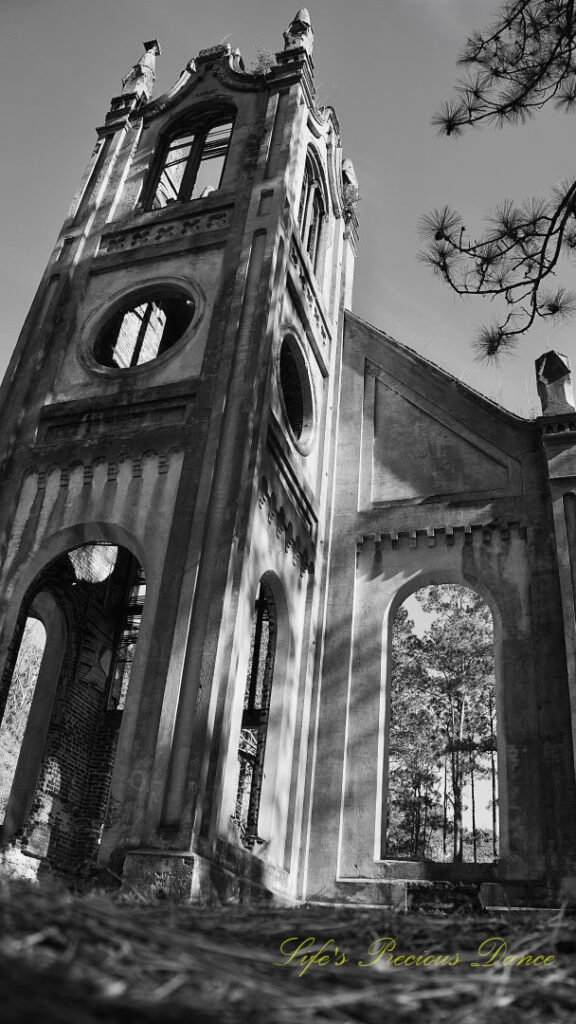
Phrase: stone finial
{"type": "Point", "coordinates": [554, 382]}
{"type": "Point", "coordinates": [140, 79]}
{"type": "Point", "coordinates": [300, 33]}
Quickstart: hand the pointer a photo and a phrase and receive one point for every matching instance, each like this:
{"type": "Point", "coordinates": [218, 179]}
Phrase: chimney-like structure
{"type": "Point", "coordinates": [554, 381]}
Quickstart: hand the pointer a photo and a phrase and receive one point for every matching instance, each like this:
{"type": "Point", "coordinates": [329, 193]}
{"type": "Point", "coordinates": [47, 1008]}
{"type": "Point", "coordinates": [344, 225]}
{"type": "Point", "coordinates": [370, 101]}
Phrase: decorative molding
{"type": "Point", "coordinates": [285, 527]}
{"type": "Point", "coordinates": [112, 467]}
{"type": "Point", "coordinates": [164, 231]}
{"type": "Point", "coordinates": [293, 484]}
{"type": "Point", "coordinates": [155, 409]}
{"type": "Point", "coordinates": [554, 425]}
{"type": "Point", "coordinates": [430, 536]}
{"type": "Point", "coordinates": [314, 312]}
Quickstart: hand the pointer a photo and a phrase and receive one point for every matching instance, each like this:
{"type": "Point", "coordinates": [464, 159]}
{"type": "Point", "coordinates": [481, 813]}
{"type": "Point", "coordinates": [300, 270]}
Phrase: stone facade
{"type": "Point", "coordinates": [189, 392]}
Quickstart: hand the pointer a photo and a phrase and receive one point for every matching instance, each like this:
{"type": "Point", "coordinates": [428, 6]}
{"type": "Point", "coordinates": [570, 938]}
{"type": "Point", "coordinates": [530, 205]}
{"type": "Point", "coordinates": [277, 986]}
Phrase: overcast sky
{"type": "Point", "coordinates": [385, 65]}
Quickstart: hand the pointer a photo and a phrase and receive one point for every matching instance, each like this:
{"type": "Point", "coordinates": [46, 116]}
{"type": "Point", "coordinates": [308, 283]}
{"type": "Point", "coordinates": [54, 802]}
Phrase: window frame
{"type": "Point", "coordinates": [127, 301]}
{"type": "Point", "coordinates": [312, 211]}
{"type": "Point", "coordinates": [199, 128]}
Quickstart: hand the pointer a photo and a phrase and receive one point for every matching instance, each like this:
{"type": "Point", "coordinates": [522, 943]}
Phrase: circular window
{"type": "Point", "coordinates": [296, 392]}
{"type": "Point", "coordinates": [142, 330]}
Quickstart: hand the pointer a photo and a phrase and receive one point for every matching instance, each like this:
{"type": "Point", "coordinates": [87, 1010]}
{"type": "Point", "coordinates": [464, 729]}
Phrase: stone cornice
{"type": "Point", "coordinates": [448, 535]}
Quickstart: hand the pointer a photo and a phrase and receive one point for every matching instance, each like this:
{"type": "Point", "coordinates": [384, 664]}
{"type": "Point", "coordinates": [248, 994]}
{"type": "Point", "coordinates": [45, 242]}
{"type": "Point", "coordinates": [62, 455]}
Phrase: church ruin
{"type": "Point", "coordinates": [219, 485]}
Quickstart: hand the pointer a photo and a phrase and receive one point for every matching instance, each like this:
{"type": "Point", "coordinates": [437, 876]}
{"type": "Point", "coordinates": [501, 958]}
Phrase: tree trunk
{"type": "Point", "coordinates": [445, 810]}
{"type": "Point", "coordinates": [494, 790]}
{"type": "Point", "coordinates": [474, 837]}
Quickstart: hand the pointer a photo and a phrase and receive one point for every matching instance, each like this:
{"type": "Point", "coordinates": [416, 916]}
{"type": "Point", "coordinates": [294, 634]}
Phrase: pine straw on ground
{"type": "Point", "coordinates": [79, 959]}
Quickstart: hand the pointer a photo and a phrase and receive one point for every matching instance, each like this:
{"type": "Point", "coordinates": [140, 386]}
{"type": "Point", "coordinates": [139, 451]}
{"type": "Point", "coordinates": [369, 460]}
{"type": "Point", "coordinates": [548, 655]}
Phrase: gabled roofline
{"type": "Point", "coordinates": [477, 396]}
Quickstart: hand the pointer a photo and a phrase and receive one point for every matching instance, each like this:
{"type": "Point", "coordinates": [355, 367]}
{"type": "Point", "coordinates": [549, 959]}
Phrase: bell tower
{"type": "Point", "coordinates": [167, 425]}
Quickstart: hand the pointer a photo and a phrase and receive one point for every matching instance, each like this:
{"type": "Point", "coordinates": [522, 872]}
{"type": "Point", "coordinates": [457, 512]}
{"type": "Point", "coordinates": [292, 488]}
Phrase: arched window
{"type": "Point", "coordinates": [193, 163]}
{"type": "Point", "coordinates": [442, 735]}
{"type": "Point", "coordinates": [311, 213]}
{"type": "Point", "coordinates": [255, 715]}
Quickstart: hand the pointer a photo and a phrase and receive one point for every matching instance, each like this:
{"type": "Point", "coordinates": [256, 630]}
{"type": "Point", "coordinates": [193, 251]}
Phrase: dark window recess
{"type": "Point", "coordinates": [193, 165]}
{"type": "Point", "coordinates": [291, 385]}
{"type": "Point", "coordinates": [314, 227]}
{"type": "Point", "coordinates": [136, 334]}
{"type": "Point", "coordinates": [126, 640]}
{"type": "Point", "coordinates": [303, 197]}
{"type": "Point", "coordinates": [311, 214]}
{"type": "Point", "coordinates": [255, 716]}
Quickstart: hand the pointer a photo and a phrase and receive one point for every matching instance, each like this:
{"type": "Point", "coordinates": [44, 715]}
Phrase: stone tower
{"type": "Point", "coordinates": [167, 424]}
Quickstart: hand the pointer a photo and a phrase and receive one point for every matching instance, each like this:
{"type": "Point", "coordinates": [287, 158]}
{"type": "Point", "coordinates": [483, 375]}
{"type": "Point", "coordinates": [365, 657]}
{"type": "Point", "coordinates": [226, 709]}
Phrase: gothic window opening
{"type": "Point", "coordinates": [311, 214]}
{"type": "Point", "coordinates": [442, 730]}
{"type": "Point", "coordinates": [255, 716]}
{"type": "Point", "coordinates": [140, 331]}
{"type": "Point", "coordinates": [193, 164]}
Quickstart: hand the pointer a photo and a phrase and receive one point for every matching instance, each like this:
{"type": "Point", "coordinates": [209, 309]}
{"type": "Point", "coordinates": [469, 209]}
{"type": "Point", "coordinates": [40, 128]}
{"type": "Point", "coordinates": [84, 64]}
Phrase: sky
{"type": "Point", "coordinates": [385, 66]}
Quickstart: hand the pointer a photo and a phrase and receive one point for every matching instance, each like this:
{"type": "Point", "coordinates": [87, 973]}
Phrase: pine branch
{"type": "Point", "coordinates": [525, 60]}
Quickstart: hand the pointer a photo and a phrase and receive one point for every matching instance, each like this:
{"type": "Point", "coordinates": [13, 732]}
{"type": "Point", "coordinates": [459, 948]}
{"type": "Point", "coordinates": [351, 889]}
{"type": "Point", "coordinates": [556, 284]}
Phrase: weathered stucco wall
{"type": "Point", "coordinates": [435, 484]}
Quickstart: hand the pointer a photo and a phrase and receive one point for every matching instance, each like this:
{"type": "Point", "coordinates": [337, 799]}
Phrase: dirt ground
{"type": "Point", "coordinates": [75, 959]}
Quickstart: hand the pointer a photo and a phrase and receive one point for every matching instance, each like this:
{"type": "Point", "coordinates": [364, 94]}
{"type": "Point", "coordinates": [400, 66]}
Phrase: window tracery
{"type": "Point", "coordinates": [311, 213]}
{"type": "Point", "coordinates": [193, 163]}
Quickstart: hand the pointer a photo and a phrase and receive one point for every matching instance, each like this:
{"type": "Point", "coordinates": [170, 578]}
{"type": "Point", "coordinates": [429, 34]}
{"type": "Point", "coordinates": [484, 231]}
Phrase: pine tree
{"type": "Point", "coordinates": [525, 60]}
{"type": "Point", "coordinates": [414, 800]}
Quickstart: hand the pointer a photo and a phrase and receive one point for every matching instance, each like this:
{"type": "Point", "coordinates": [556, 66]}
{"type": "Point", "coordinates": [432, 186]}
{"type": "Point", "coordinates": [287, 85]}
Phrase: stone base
{"type": "Point", "coordinates": [405, 896]}
{"type": "Point", "coordinates": [191, 878]}
{"type": "Point", "coordinates": [533, 894]}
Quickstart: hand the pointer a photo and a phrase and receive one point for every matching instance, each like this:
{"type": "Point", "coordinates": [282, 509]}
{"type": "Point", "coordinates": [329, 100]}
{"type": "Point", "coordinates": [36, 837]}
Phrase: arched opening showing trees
{"type": "Point", "coordinates": [442, 756]}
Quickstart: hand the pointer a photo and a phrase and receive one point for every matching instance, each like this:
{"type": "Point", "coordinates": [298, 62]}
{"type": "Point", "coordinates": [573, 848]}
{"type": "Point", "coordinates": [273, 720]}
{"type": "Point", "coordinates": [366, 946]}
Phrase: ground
{"type": "Point", "coordinates": [93, 957]}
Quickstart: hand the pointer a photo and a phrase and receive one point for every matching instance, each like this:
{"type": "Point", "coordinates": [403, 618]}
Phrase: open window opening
{"type": "Point", "coordinates": [193, 163]}
{"type": "Point", "coordinates": [143, 329]}
{"type": "Point", "coordinates": [90, 600]}
{"type": "Point", "coordinates": [442, 730]}
{"type": "Point", "coordinates": [311, 214]}
{"type": "Point", "coordinates": [255, 716]}
{"type": "Point", "coordinates": [296, 393]}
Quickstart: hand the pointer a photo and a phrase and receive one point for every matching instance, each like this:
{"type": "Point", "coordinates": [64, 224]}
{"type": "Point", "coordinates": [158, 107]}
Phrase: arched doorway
{"type": "Point", "coordinates": [90, 602]}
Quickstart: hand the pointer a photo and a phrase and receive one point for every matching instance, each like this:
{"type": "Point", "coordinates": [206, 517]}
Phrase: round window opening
{"type": "Point", "coordinates": [296, 390]}
{"type": "Point", "coordinates": [142, 330]}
